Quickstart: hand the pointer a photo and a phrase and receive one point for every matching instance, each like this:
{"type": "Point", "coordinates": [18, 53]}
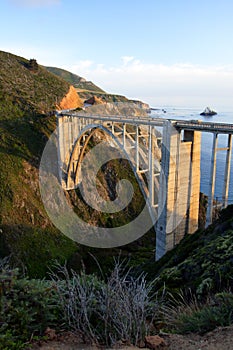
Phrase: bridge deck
{"type": "Point", "coordinates": [198, 125]}
{"type": "Point", "coordinates": [178, 124]}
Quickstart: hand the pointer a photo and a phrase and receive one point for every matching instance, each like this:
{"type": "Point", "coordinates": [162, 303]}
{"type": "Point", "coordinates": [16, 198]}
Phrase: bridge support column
{"type": "Point", "coordinates": [179, 188]}
{"type": "Point", "coordinates": [151, 166]}
{"type": "Point", "coordinates": [227, 172]}
{"type": "Point", "coordinates": [209, 213]}
{"type": "Point", "coordinates": [63, 143]}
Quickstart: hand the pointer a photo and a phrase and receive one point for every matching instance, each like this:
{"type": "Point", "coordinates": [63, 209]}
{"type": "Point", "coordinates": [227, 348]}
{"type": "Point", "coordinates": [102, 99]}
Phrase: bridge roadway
{"type": "Point", "coordinates": [194, 125]}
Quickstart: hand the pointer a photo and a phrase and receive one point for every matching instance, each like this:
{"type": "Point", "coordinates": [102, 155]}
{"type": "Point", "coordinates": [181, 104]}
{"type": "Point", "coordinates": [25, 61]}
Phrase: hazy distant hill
{"type": "Point", "coordinates": [87, 89]}
{"type": "Point", "coordinates": [77, 81]}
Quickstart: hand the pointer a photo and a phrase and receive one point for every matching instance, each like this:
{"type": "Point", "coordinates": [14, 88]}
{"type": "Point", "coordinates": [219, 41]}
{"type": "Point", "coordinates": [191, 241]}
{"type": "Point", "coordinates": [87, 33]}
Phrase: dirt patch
{"type": "Point", "coordinates": [219, 339]}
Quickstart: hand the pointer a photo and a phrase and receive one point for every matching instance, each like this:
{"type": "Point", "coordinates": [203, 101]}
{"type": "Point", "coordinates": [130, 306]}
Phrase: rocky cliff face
{"type": "Point", "coordinates": [70, 100]}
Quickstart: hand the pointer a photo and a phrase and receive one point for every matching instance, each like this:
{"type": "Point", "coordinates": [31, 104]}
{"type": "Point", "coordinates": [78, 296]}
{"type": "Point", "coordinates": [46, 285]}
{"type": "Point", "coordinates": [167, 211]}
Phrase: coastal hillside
{"type": "Point", "coordinates": [29, 95]}
{"type": "Point", "coordinates": [27, 88]}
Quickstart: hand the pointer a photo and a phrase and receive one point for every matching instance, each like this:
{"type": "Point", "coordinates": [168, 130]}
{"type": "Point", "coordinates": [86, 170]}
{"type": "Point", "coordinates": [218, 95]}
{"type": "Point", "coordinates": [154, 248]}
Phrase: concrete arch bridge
{"type": "Point", "coordinates": [171, 164]}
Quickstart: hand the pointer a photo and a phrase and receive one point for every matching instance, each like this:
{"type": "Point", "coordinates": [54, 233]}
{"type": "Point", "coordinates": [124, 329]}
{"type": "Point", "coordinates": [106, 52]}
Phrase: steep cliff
{"type": "Point", "coordinates": [70, 100]}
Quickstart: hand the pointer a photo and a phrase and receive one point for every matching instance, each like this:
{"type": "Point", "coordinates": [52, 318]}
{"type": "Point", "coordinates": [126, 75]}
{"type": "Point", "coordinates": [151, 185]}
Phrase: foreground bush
{"type": "Point", "coordinates": [27, 307]}
{"type": "Point", "coordinates": [123, 307]}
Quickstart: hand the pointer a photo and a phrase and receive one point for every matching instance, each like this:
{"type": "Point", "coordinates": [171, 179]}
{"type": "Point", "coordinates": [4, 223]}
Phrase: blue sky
{"type": "Point", "coordinates": [166, 52]}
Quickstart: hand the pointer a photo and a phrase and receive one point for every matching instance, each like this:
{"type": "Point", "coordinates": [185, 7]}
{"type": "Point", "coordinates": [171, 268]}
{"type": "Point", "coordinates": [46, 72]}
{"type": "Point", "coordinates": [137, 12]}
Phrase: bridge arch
{"type": "Point", "coordinates": [78, 152]}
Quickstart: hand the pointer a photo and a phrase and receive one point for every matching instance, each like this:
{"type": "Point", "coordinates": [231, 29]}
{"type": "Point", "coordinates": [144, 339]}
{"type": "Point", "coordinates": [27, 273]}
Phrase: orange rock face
{"type": "Point", "coordinates": [71, 100]}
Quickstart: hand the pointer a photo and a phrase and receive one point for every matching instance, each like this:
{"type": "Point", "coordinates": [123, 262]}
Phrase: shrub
{"type": "Point", "coordinates": [122, 307]}
{"type": "Point", "coordinates": [186, 316]}
{"type": "Point", "coordinates": [27, 307]}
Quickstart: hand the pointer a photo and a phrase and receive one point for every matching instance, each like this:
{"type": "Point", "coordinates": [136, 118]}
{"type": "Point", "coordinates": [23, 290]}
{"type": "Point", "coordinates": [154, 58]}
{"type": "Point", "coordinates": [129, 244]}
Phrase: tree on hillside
{"type": "Point", "coordinates": [33, 65]}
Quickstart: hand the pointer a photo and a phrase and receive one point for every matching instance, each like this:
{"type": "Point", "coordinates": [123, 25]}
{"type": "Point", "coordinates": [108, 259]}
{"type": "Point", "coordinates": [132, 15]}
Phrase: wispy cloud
{"type": "Point", "coordinates": [35, 3]}
{"type": "Point", "coordinates": [180, 84]}
{"type": "Point", "coordinates": [127, 59]}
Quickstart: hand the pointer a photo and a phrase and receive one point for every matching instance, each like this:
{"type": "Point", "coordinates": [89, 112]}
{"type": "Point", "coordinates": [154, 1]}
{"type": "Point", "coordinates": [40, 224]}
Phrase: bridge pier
{"type": "Point", "coordinates": [178, 205]}
{"type": "Point", "coordinates": [227, 172]}
{"type": "Point", "coordinates": [209, 213]}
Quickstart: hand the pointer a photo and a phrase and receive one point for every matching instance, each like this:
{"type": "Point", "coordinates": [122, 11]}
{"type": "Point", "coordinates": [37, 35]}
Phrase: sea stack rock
{"type": "Point", "coordinates": [208, 112]}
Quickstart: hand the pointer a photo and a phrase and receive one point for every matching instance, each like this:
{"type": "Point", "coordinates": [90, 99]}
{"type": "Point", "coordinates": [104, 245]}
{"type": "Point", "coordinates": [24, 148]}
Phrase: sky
{"type": "Point", "coordinates": [165, 52]}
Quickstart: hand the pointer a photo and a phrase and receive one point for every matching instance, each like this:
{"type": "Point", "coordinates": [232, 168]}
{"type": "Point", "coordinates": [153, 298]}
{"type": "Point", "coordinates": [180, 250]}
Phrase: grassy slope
{"type": "Point", "coordinates": [24, 91]}
{"type": "Point", "coordinates": [202, 261]}
{"type": "Point", "coordinates": [24, 129]}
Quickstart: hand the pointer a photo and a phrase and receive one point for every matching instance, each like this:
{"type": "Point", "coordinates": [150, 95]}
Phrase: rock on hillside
{"type": "Point", "coordinates": [94, 100]}
{"type": "Point", "coordinates": [70, 100]}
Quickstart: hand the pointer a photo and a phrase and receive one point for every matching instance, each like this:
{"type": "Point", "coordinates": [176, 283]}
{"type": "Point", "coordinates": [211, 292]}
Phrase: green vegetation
{"type": "Point", "coordinates": [202, 262]}
{"type": "Point", "coordinates": [26, 91]}
{"type": "Point", "coordinates": [103, 311]}
{"type": "Point", "coordinates": [186, 314]}
{"type": "Point", "coordinates": [27, 308]}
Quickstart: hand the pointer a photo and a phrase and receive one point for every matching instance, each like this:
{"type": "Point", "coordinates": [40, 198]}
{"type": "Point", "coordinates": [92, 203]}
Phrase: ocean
{"type": "Point", "coordinates": [206, 146]}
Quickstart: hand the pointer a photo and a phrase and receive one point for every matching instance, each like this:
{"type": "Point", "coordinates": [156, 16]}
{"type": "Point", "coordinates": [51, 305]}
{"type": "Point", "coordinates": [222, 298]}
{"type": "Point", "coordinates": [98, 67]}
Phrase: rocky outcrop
{"type": "Point", "coordinates": [71, 100]}
{"type": "Point", "coordinates": [208, 112]}
{"type": "Point", "coordinates": [122, 109]}
{"type": "Point", "coordinates": [140, 104]}
{"type": "Point", "coordinates": [94, 100]}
